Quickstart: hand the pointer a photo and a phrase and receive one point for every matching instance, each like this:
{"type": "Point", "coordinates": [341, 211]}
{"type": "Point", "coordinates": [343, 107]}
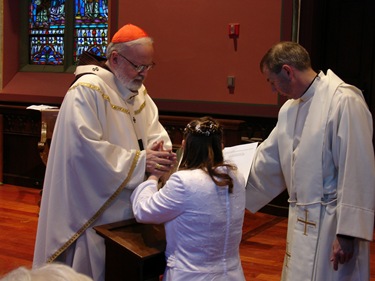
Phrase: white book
{"type": "Point", "coordinates": [242, 156]}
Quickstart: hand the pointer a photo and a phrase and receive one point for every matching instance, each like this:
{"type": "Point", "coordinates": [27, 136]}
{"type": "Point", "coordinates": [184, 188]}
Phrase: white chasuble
{"type": "Point", "coordinates": [95, 162]}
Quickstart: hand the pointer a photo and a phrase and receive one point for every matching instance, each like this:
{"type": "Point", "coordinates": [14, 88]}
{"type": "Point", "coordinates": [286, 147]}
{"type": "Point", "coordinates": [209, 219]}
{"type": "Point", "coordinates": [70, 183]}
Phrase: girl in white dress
{"type": "Point", "coordinates": [202, 207]}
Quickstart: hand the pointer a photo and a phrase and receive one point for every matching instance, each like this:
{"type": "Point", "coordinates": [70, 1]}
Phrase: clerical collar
{"type": "Point", "coordinates": [307, 94]}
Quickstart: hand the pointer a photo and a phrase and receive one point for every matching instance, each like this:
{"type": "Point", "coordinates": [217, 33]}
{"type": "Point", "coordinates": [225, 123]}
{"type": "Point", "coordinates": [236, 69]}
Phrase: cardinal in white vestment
{"type": "Point", "coordinates": [106, 137]}
{"type": "Point", "coordinates": [321, 151]}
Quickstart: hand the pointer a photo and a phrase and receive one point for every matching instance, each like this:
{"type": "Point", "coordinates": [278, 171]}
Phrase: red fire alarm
{"type": "Point", "coordinates": [234, 30]}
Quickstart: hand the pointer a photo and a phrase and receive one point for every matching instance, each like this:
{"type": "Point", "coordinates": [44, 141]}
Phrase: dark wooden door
{"type": "Point", "coordinates": [340, 35]}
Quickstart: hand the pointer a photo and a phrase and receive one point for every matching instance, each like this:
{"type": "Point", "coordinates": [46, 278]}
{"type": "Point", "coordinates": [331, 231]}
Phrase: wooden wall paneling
{"type": "Point", "coordinates": [26, 145]}
{"type": "Point", "coordinates": [22, 164]}
{"type": "Point", "coordinates": [175, 125]}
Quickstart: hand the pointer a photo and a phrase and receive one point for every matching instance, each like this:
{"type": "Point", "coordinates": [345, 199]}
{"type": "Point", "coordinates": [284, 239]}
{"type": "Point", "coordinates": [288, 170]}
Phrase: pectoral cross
{"type": "Point", "coordinates": [306, 222]}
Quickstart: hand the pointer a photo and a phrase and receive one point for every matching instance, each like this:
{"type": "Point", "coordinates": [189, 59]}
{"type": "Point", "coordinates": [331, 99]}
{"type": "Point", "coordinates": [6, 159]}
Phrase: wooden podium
{"type": "Point", "coordinates": [134, 251]}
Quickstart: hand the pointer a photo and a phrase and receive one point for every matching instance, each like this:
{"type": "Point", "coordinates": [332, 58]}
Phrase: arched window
{"type": "Point", "coordinates": [60, 30]}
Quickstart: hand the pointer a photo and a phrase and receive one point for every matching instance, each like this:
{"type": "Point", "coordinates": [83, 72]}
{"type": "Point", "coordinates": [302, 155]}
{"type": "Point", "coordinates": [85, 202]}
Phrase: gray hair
{"type": "Point", "coordinates": [120, 47]}
{"type": "Point", "coordinates": [290, 53]}
{"type": "Point", "coordinates": [50, 272]}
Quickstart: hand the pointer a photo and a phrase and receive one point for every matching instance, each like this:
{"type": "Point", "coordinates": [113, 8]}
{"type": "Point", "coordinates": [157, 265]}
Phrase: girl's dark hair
{"type": "Point", "coordinates": [203, 150]}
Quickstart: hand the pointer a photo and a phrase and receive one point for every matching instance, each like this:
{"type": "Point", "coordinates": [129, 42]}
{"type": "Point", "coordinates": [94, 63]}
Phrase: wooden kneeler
{"type": "Point", "coordinates": [134, 251]}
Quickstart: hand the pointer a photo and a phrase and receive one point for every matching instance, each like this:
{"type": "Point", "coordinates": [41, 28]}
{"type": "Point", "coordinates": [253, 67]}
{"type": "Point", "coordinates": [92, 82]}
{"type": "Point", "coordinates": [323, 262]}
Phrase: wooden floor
{"type": "Point", "coordinates": [262, 248]}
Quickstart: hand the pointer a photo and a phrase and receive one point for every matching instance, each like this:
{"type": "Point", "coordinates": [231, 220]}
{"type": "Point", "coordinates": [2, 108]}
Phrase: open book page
{"type": "Point", "coordinates": [41, 107]}
{"type": "Point", "coordinates": [242, 156]}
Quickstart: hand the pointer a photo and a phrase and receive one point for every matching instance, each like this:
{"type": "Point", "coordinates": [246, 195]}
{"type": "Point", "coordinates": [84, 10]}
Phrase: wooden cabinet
{"type": "Point", "coordinates": [21, 163]}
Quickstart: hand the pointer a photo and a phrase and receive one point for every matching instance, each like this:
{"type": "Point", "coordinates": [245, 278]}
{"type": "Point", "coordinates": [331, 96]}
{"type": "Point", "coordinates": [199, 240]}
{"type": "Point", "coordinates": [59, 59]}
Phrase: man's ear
{"type": "Point", "coordinates": [287, 71]}
{"type": "Point", "coordinates": [183, 144]}
{"type": "Point", "coordinates": [114, 58]}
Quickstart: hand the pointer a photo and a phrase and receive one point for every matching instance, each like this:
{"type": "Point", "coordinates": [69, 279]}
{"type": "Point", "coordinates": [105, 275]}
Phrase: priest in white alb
{"type": "Point", "coordinates": [321, 151]}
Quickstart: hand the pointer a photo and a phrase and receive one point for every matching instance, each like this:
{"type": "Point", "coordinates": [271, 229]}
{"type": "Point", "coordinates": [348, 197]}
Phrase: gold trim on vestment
{"type": "Point", "coordinates": [107, 98]}
{"type": "Point", "coordinates": [306, 222]}
{"type": "Point", "coordinates": [97, 214]}
{"type": "Point", "coordinates": [287, 254]}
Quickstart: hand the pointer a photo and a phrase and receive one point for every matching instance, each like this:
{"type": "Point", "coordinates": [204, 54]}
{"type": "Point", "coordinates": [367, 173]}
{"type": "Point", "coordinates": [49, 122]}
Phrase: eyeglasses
{"type": "Point", "coordinates": [138, 68]}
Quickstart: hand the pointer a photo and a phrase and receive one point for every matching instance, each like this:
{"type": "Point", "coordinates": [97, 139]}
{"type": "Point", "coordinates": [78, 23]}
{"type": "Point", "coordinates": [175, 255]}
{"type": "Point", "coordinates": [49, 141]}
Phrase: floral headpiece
{"type": "Point", "coordinates": [206, 128]}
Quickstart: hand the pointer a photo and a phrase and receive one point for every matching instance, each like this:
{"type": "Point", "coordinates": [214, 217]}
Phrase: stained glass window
{"type": "Point", "coordinates": [46, 29]}
{"type": "Point", "coordinates": [90, 27]}
{"type": "Point", "coordinates": [49, 29]}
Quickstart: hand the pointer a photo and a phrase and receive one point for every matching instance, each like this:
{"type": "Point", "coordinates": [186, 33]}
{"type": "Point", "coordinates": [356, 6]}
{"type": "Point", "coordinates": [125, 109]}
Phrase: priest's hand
{"type": "Point", "coordinates": [342, 250]}
{"type": "Point", "coordinates": [159, 161]}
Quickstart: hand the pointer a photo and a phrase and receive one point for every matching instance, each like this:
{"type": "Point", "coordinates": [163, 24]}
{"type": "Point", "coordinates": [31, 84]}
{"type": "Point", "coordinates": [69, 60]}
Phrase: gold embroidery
{"type": "Point", "coordinates": [306, 222]}
{"type": "Point", "coordinates": [98, 213]}
{"type": "Point", "coordinates": [88, 85]}
{"type": "Point", "coordinates": [287, 254]}
{"type": "Point", "coordinates": [140, 108]}
{"type": "Point", "coordinates": [107, 98]}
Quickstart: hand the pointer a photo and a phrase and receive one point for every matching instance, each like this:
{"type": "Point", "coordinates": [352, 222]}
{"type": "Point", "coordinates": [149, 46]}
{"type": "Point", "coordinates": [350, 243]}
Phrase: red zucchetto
{"type": "Point", "coordinates": [128, 32]}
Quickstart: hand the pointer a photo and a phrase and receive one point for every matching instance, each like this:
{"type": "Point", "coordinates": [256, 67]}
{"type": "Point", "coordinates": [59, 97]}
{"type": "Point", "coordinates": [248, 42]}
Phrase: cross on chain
{"type": "Point", "coordinates": [306, 222]}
